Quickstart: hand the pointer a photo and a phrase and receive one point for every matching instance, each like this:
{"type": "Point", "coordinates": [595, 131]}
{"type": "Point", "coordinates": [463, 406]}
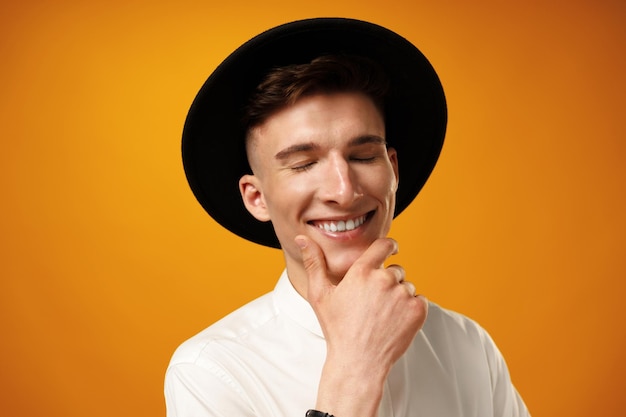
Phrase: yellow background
{"type": "Point", "coordinates": [107, 262]}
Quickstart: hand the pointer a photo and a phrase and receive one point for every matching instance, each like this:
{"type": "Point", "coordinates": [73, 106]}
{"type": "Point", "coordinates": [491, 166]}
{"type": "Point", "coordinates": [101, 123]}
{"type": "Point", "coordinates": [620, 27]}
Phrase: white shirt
{"type": "Point", "coordinates": [265, 360]}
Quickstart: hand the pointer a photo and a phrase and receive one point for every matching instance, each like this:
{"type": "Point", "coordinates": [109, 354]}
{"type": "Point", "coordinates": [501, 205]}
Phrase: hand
{"type": "Point", "coordinates": [368, 319]}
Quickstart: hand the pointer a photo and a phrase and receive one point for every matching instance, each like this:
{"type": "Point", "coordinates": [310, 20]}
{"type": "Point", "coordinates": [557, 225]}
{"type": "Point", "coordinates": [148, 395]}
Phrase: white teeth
{"type": "Point", "coordinates": [341, 225]}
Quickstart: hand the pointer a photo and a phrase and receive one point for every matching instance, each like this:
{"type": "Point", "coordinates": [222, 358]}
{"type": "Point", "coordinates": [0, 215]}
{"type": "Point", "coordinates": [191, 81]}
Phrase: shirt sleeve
{"type": "Point", "coordinates": [506, 400]}
{"type": "Point", "coordinates": [194, 391]}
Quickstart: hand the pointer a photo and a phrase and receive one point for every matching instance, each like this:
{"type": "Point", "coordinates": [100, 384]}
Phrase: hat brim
{"type": "Point", "coordinates": [213, 146]}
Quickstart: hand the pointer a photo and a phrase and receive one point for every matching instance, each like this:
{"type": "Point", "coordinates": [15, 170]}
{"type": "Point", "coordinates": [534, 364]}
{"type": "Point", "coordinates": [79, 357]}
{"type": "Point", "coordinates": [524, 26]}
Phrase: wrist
{"type": "Point", "coordinates": [344, 391]}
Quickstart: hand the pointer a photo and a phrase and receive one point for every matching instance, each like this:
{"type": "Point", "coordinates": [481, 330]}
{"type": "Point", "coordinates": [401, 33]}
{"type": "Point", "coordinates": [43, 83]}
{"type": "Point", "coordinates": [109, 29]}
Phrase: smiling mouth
{"type": "Point", "coordinates": [342, 225]}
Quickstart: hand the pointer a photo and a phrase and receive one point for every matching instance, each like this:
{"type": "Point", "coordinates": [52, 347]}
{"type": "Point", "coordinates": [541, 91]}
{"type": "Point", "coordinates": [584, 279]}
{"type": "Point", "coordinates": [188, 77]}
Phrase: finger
{"type": "Point", "coordinates": [377, 253]}
{"type": "Point", "coordinates": [422, 306]}
{"type": "Point", "coordinates": [410, 287]}
{"type": "Point", "coordinates": [397, 271]}
{"type": "Point", "coordinates": [314, 265]}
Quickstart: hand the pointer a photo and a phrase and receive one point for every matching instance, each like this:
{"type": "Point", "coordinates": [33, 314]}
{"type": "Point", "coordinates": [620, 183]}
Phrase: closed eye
{"type": "Point", "coordinates": [302, 167]}
{"type": "Point", "coordinates": [363, 158]}
{"type": "Point", "coordinates": [368, 155]}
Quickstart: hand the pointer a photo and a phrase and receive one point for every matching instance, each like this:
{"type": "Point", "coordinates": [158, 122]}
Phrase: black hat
{"type": "Point", "coordinates": [213, 146]}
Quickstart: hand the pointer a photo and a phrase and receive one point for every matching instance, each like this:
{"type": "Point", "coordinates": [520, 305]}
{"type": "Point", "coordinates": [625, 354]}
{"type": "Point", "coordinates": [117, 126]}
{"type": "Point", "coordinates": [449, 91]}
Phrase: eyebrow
{"type": "Point", "coordinates": [366, 139]}
{"type": "Point", "coordinates": [310, 146]}
{"type": "Point", "coordinates": [299, 147]}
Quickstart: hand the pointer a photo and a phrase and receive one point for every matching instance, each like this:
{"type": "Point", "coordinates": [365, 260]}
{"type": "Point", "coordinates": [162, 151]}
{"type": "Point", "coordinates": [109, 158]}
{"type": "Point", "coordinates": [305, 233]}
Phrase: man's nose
{"type": "Point", "coordinates": [339, 184]}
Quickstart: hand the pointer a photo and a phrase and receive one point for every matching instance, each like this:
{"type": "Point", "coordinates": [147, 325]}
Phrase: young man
{"type": "Point", "coordinates": [311, 137]}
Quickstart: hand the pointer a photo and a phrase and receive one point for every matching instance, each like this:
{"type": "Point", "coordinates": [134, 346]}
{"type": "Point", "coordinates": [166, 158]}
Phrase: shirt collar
{"type": "Point", "coordinates": [294, 306]}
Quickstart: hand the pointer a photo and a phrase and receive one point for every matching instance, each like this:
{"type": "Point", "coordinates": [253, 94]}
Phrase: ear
{"type": "Point", "coordinates": [252, 195]}
{"type": "Point", "coordinates": [393, 158]}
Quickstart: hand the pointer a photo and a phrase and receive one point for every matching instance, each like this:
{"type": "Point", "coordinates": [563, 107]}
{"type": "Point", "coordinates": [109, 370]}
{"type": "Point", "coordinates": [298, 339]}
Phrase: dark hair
{"type": "Point", "coordinates": [283, 86]}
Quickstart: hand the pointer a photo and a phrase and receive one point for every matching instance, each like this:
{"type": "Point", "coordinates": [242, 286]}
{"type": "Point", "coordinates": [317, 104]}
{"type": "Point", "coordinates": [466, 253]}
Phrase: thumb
{"type": "Point", "coordinates": [315, 266]}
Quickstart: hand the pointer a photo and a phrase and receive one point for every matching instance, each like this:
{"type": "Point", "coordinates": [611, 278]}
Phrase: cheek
{"type": "Point", "coordinates": [286, 195]}
{"type": "Point", "coordinates": [387, 194]}
{"type": "Point", "coordinates": [385, 185]}
{"type": "Point", "coordinates": [393, 180]}
{"type": "Point", "coordinates": [286, 202]}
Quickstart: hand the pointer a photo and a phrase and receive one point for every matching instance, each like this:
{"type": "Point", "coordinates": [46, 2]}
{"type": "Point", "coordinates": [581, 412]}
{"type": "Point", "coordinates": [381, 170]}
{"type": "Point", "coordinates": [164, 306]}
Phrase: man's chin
{"type": "Point", "coordinates": [339, 264]}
